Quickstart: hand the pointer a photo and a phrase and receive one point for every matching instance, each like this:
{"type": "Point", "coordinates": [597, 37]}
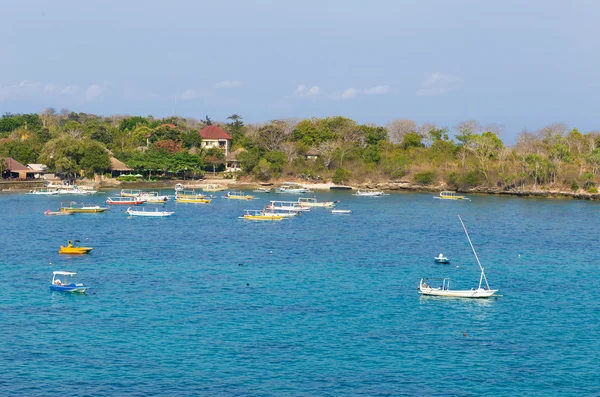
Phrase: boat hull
{"type": "Point", "coordinates": [341, 212]}
{"type": "Point", "coordinates": [263, 217]}
{"type": "Point", "coordinates": [158, 214]}
{"type": "Point", "coordinates": [74, 250]}
{"type": "Point", "coordinates": [84, 210]}
{"type": "Point", "coordinates": [69, 288]}
{"type": "Point", "coordinates": [474, 293]}
{"type": "Point", "coordinates": [194, 200]}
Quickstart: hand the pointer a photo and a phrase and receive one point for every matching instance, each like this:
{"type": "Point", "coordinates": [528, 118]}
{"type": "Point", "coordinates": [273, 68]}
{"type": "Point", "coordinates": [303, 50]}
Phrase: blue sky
{"type": "Point", "coordinates": [522, 64]}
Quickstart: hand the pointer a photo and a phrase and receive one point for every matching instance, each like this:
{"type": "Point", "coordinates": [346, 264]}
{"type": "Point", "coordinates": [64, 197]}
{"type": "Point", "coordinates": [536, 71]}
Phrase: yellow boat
{"type": "Point", "coordinates": [449, 195]}
{"type": "Point", "coordinates": [198, 199]}
{"type": "Point", "coordinates": [82, 208]}
{"type": "Point", "coordinates": [238, 196]}
{"type": "Point", "coordinates": [258, 215]}
{"type": "Point", "coordinates": [71, 249]}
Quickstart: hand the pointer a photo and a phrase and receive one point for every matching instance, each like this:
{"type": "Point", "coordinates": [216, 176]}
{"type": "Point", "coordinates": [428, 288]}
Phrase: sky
{"type": "Point", "coordinates": [521, 64]}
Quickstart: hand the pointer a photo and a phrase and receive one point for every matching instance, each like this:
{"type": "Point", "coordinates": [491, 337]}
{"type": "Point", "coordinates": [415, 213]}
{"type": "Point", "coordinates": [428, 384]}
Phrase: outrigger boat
{"type": "Point", "coordinates": [214, 188]}
{"type": "Point", "coordinates": [71, 249]}
{"type": "Point", "coordinates": [262, 190]}
{"type": "Point", "coordinates": [441, 259]}
{"type": "Point", "coordinates": [259, 215]}
{"type": "Point", "coordinates": [286, 206]}
{"type": "Point", "coordinates": [238, 196]}
{"type": "Point", "coordinates": [139, 211]}
{"type": "Point", "coordinates": [125, 200]}
{"type": "Point", "coordinates": [153, 198]}
{"type": "Point", "coordinates": [190, 196]}
{"type": "Point", "coordinates": [281, 212]}
{"type": "Point", "coordinates": [66, 285]}
{"type": "Point", "coordinates": [130, 193]}
{"type": "Point", "coordinates": [448, 195]}
{"type": "Point", "coordinates": [369, 193]}
{"type": "Point", "coordinates": [81, 208]}
{"type": "Point", "coordinates": [312, 202]}
{"type": "Point", "coordinates": [445, 291]}
{"type": "Point", "coordinates": [292, 188]}
{"type": "Point", "coordinates": [43, 192]}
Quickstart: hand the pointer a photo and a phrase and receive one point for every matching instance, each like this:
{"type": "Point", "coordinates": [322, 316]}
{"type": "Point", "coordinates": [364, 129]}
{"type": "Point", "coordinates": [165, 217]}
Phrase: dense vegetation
{"type": "Point", "coordinates": [334, 148]}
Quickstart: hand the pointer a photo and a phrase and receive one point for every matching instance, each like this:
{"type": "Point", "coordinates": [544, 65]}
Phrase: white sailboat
{"type": "Point", "coordinates": [445, 290]}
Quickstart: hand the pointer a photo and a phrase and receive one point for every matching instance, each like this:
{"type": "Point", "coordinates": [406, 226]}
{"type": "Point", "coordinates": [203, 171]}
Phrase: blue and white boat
{"type": "Point", "coordinates": [66, 284]}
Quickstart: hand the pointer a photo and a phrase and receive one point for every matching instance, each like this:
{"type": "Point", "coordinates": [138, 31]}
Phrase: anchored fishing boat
{"type": "Point", "coordinates": [238, 196]}
{"type": "Point", "coordinates": [445, 291]}
{"type": "Point", "coordinates": [140, 211]}
{"type": "Point", "coordinates": [369, 193]}
{"type": "Point", "coordinates": [291, 188]}
{"type": "Point", "coordinates": [43, 192]}
{"type": "Point", "coordinates": [125, 200]}
{"type": "Point", "coordinates": [449, 195]}
{"type": "Point", "coordinates": [312, 202]}
{"type": "Point", "coordinates": [286, 206]}
{"type": "Point", "coordinates": [66, 284]}
{"type": "Point", "coordinates": [153, 198]}
{"type": "Point", "coordinates": [81, 208]}
{"type": "Point", "coordinates": [259, 215]}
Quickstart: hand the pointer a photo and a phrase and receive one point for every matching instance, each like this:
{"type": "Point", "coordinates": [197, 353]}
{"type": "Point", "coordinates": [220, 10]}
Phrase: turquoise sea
{"type": "Point", "coordinates": [204, 303]}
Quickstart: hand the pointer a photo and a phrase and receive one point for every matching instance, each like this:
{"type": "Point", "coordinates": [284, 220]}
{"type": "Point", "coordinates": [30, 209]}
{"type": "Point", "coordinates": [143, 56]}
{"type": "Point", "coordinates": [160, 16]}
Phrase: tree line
{"type": "Point", "coordinates": [336, 148]}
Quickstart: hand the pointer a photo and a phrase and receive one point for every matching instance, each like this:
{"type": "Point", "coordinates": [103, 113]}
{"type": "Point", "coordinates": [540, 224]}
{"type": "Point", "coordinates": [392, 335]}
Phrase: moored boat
{"type": "Point", "coordinates": [125, 200]}
{"type": "Point", "coordinates": [153, 198]}
{"type": "Point", "coordinates": [286, 206]}
{"type": "Point", "coordinates": [238, 196]}
{"type": "Point", "coordinates": [130, 193]}
{"type": "Point", "coordinates": [81, 208]}
{"type": "Point", "coordinates": [259, 215]}
{"type": "Point", "coordinates": [369, 193]}
{"type": "Point", "coordinates": [291, 188]}
{"type": "Point", "coordinates": [449, 195]}
{"type": "Point", "coordinates": [66, 284]}
{"type": "Point", "coordinates": [482, 291]}
{"type": "Point", "coordinates": [441, 259]}
{"type": "Point", "coordinates": [139, 211]}
{"type": "Point", "coordinates": [43, 192]}
{"type": "Point", "coordinates": [312, 202]}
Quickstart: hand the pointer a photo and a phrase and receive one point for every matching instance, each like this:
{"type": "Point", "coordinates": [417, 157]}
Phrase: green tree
{"type": "Point", "coordinates": [130, 123]}
{"type": "Point", "coordinates": [412, 139]}
{"type": "Point", "coordinates": [341, 176]}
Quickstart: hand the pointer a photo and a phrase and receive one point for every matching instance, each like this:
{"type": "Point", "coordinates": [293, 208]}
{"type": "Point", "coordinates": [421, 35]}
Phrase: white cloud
{"type": "Point", "coordinates": [377, 90]}
{"type": "Point", "coordinates": [311, 93]}
{"type": "Point", "coordinates": [438, 83]}
{"type": "Point", "coordinates": [188, 95]}
{"type": "Point", "coordinates": [70, 90]}
{"type": "Point", "coordinates": [49, 88]}
{"type": "Point", "coordinates": [228, 84]}
{"type": "Point", "coordinates": [94, 92]}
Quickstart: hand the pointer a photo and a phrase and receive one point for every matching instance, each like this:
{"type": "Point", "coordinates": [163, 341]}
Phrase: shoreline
{"type": "Point", "coordinates": [24, 186]}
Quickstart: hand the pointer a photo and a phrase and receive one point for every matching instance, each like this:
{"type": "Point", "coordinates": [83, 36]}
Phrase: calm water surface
{"type": "Point", "coordinates": [204, 303]}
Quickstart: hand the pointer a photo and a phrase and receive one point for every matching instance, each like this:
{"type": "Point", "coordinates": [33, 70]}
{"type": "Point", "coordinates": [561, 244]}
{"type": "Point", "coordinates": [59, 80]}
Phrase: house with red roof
{"type": "Point", "coordinates": [214, 136]}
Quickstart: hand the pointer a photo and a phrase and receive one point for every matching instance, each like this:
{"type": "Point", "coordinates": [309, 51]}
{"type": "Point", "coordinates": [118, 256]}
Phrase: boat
{"type": "Point", "coordinates": [125, 200]}
{"type": "Point", "coordinates": [259, 215]}
{"type": "Point", "coordinates": [72, 249]}
{"type": "Point", "coordinates": [66, 284]}
{"type": "Point", "coordinates": [140, 211]}
{"type": "Point", "coordinates": [286, 206]}
{"type": "Point", "coordinates": [312, 202]}
{"type": "Point", "coordinates": [280, 212]}
{"type": "Point", "coordinates": [238, 196]}
{"type": "Point", "coordinates": [445, 291]}
{"type": "Point", "coordinates": [65, 188]}
{"type": "Point", "coordinates": [369, 193]}
{"type": "Point", "coordinates": [49, 212]}
{"type": "Point", "coordinates": [291, 188]}
{"type": "Point", "coordinates": [441, 259]}
{"type": "Point", "coordinates": [341, 212]}
{"type": "Point", "coordinates": [449, 195]}
{"type": "Point", "coordinates": [130, 193]}
{"type": "Point", "coordinates": [214, 188]}
{"type": "Point", "coordinates": [43, 192]}
{"type": "Point", "coordinates": [198, 199]}
{"type": "Point", "coordinates": [340, 187]}
{"type": "Point", "coordinates": [190, 196]}
{"type": "Point", "coordinates": [262, 190]}
{"type": "Point", "coordinates": [81, 208]}
{"type": "Point", "coordinates": [153, 198]}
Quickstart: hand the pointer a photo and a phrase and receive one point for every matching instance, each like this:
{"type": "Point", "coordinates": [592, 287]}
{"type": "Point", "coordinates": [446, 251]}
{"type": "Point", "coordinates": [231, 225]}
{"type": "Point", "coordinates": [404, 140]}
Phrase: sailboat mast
{"type": "Point", "coordinates": [482, 277]}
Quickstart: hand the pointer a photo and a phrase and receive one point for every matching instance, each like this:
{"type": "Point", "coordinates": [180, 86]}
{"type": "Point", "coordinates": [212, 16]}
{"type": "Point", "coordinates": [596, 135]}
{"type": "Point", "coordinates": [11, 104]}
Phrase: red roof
{"type": "Point", "coordinates": [14, 165]}
{"type": "Point", "coordinates": [213, 132]}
